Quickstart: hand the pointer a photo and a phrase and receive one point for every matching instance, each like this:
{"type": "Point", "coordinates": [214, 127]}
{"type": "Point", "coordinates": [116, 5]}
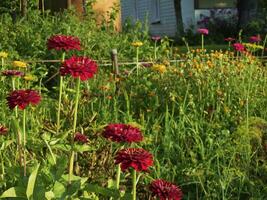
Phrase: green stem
{"type": "Point", "coordinates": [2, 166]}
{"type": "Point", "coordinates": [14, 88]}
{"type": "Point", "coordinates": [137, 60]}
{"type": "Point", "coordinates": [202, 41]}
{"type": "Point", "coordinates": [74, 128]}
{"type": "Point", "coordinates": [60, 96]}
{"type": "Point", "coordinates": [118, 177]}
{"type": "Point", "coordinates": [134, 184]}
{"type": "Point", "coordinates": [155, 50]}
{"type": "Point", "coordinates": [2, 62]}
{"type": "Point", "coordinates": [24, 141]}
{"type": "Point", "coordinates": [264, 44]}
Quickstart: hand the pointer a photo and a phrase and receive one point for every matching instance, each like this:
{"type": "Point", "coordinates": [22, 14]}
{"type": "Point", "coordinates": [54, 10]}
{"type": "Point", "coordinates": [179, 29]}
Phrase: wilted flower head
{"type": "Point", "coordinates": [19, 64]}
{"type": "Point", "coordinates": [165, 190]}
{"type": "Point", "coordinates": [12, 73]}
{"type": "Point", "coordinates": [81, 67]}
{"type": "Point", "coordinates": [203, 31]}
{"type": "Point", "coordinates": [229, 39]}
{"type": "Point", "coordinates": [80, 138]}
{"type": "Point", "coordinates": [239, 47]}
{"type": "Point", "coordinates": [255, 38]}
{"type": "Point", "coordinates": [159, 68]}
{"type": "Point", "coordinates": [156, 38]}
{"type": "Point", "coordinates": [29, 77]}
{"type": "Point", "coordinates": [122, 133]}
{"type": "Point", "coordinates": [22, 98]}
{"type": "Point", "coordinates": [136, 158]}
{"type": "Point", "coordinates": [63, 42]}
{"type": "Point", "coordinates": [3, 54]}
{"type": "Point", "coordinates": [137, 44]}
{"type": "Point", "coordinates": [3, 130]}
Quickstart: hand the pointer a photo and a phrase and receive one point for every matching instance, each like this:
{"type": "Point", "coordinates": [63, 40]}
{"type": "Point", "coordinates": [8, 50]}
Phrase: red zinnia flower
{"type": "Point", "coordinates": [165, 190]}
{"type": "Point", "coordinates": [203, 31]}
{"type": "Point", "coordinates": [22, 98]}
{"type": "Point", "coordinates": [156, 38]}
{"type": "Point", "coordinates": [80, 138]}
{"type": "Point", "coordinates": [122, 133]}
{"type": "Point", "coordinates": [63, 42]}
{"type": "Point", "coordinates": [3, 130]}
{"type": "Point", "coordinates": [82, 67]}
{"type": "Point", "coordinates": [256, 38]}
{"type": "Point", "coordinates": [229, 39]}
{"type": "Point", "coordinates": [239, 47]}
{"type": "Point", "coordinates": [12, 73]}
{"type": "Point", "coordinates": [137, 158]}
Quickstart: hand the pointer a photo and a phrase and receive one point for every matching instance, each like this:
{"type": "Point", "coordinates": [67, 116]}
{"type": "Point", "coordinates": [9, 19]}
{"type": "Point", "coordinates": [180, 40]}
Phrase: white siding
{"type": "Point", "coordinates": [188, 13]}
{"type": "Point", "coordinates": [166, 26]}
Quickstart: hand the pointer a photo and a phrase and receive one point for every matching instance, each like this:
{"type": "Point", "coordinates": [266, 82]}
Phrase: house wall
{"type": "Point", "coordinates": [167, 24]}
{"type": "Point", "coordinates": [188, 13]}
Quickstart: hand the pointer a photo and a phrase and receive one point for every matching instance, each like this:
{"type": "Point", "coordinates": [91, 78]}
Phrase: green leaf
{"type": "Point", "coordinates": [15, 192]}
{"type": "Point", "coordinates": [83, 148]}
{"type": "Point", "coordinates": [103, 191]}
{"type": "Point", "coordinates": [31, 183]}
{"type": "Point", "coordinates": [49, 195]}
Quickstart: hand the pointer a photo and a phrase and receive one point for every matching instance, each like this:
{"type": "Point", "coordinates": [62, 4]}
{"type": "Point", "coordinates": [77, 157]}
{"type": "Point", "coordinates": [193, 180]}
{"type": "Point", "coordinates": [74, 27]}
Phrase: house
{"type": "Point", "coordinates": [102, 8]}
{"type": "Point", "coordinates": [162, 15]}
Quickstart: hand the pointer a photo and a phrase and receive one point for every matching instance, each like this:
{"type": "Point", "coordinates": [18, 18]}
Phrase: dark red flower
{"type": "Point", "coordinates": [3, 130]}
{"type": "Point", "coordinates": [255, 38]}
{"type": "Point", "coordinates": [239, 47]}
{"type": "Point", "coordinates": [165, 190]}
{"type": "Point", "coordinates": [229, 39]}
{"type": "Point", "coordinates": [12, 73]}
{"type": "Point", "coordinates": [136, 158]}
{"type": "Point", "coordinates": [81, 67]}
{"type": "Point", "coordinates": [22, 98]}
{"type": "Point", "coordinates": [63, 42]}
{"type": "Point", "coordinates": [122, 133]}
{"type": "Point", "coordinates": [80, 138]}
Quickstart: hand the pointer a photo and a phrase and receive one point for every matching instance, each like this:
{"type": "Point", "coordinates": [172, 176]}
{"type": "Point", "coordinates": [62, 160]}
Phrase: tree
{"type": "Point", "coordinates": [246, 11]}
{"type": "Point", "coordinates": [179, 19]}
{"type": "Point", "coordinates": [24, 4]}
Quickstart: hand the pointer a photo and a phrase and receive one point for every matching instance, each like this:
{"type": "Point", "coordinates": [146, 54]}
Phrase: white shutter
{"type": "Point", "coordinates": [155, 11]}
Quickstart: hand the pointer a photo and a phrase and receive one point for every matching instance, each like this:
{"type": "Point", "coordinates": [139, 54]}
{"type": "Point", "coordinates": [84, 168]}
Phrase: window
{"type": "Point", "coordinates": [209, 4]}
{"type": "Point", "coordinates": [155, 11]}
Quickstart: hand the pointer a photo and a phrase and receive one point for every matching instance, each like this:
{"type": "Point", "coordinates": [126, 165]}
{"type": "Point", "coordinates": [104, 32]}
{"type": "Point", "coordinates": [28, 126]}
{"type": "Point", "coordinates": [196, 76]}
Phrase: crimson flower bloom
{"type": "Point", "coordinates": [12, 73]}
{"type": "Point", "coordinates": [156, 38]}
{"type": "Point", "coordinates": [137, 158]}
{"type": "Point", "coordinates": [256, 38]}
{"type": "Point", "coordinates": [165, 190]}
{"type": "Point", "coordinates": [63, 42]}
{"type": "Point", "coordinates": [229, 39]}
{"type": "Point", "coordinates": [3, 130]}
{"type": "Point", "coordinates": [239, 47]}
{"type": "Point", "coordinates": [22, 98]}
{"type": "Point", "coordinates": [81, 67]}
{"type": "Point", "coordinates": [80, 138]}
{"type": "Point", "coordinates": [203, 31]}
{"type": "Point", "coordinates": [122, 133]}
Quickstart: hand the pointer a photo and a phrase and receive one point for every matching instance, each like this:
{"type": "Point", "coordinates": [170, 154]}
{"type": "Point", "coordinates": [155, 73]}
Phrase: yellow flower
{"type": "Point", "coordinates": [29, 77]}
{"type": "Point", "coordinates": [137, 44]}
{"type": "Point", "coordinates": [3, 54]}
{"type": "Point", "coordinates": [160, 68]}
{"type": "Point", "coordinates": [19, 64]}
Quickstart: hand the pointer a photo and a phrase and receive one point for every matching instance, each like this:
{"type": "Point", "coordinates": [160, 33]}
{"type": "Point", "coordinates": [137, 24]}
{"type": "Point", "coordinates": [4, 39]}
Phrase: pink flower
{"type": "Point", "coordinates": [229, 39]}
{"type": "Point", "coordinates": [256, 38]}
{"type": "Point", "coordinates": [239, 47]}
{"type": "Point", "coordinates": [156, 38]}
{"type": "Point", "coordinates": [203, 31]}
